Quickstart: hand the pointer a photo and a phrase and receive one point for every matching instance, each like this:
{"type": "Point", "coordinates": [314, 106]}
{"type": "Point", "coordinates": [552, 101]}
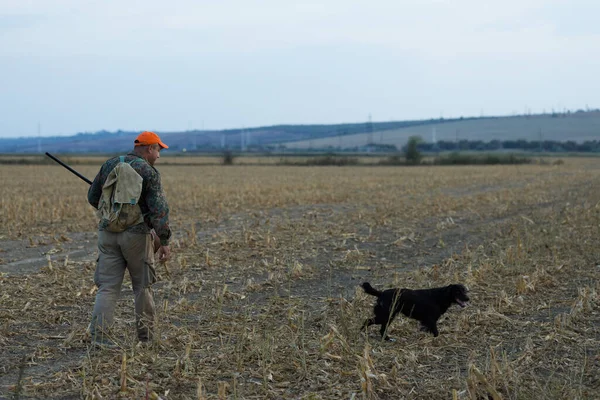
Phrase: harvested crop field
{"type": "Point", "coordinates": [261, 299]}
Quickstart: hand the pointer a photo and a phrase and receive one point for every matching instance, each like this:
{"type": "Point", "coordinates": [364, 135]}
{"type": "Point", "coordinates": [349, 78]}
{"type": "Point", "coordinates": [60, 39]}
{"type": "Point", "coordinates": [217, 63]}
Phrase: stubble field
{"type": "Point", "coordinates": [261, 297]}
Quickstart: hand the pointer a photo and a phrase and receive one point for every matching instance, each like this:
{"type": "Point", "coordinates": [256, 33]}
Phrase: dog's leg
{"type": "Point", "coordinates": [382, 331]}
{"type": "Point", "coordinates": [368, 323]}
{"type": "Point", "coordinates": [430, 326]}
{"type": "Point", "coordinates": [384, 327]}
{"type": "Point", "coordinates": [385, 337]}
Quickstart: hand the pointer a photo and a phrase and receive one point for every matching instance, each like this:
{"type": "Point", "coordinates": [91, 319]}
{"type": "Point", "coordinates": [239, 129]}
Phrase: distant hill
{"type": "Point", "coordinates": [577, 126]}
{"type": "Point", "coordinates": [253, 138]}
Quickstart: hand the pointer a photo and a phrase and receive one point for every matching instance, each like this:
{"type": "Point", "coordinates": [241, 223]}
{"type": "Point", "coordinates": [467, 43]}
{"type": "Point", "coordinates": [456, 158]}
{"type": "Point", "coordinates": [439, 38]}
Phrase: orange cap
{"type": "Point", "coordinates": [147, 138]}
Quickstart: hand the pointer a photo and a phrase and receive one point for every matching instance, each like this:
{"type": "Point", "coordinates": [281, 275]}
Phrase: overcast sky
{"type": "Point", "coordinates": [82, 66]}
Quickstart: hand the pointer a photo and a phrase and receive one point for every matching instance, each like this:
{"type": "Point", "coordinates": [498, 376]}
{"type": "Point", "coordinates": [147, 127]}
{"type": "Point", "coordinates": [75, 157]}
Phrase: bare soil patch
{"type": "Point", "coordinates": [261, 300]}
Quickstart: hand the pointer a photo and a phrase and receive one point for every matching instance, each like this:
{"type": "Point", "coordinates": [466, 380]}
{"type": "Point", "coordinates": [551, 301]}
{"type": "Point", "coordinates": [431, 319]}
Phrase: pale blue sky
{"type": "Point", "coordinates": [82, 66]}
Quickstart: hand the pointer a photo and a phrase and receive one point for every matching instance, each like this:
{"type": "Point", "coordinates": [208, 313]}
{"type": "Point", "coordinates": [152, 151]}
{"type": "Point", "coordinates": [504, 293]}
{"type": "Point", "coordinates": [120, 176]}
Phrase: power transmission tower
{"type": "Point", "coordinates": [434, 140]}
{"type": "Point", "coordinates": [242, 143]}
{"type": "Point", "coordinates": [369, 129]}
{"type": "Point", "coordinates": [457, 140]}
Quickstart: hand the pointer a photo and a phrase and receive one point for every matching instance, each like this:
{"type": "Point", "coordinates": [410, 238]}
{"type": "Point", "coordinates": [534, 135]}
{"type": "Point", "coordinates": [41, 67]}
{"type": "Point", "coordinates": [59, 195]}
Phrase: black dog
{"type": "Point", "coordinates": [424, 305]}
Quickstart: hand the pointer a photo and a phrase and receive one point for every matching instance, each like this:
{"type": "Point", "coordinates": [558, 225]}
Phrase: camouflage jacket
{"type": "Point", "coordinates": [152, 201]}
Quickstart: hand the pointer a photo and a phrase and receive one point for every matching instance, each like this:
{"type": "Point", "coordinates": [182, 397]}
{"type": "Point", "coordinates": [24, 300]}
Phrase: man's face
{"type": "Point", "coordinates": [153, 153]}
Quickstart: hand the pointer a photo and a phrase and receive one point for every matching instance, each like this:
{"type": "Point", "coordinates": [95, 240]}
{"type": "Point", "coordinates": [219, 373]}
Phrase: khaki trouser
{"type": "Point", "coordinates": [118, 252]}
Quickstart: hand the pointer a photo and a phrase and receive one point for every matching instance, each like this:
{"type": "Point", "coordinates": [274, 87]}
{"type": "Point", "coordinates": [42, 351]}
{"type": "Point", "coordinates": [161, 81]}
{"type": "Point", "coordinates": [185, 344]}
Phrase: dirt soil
{"type": "Point", "coordinates": [330, 266]}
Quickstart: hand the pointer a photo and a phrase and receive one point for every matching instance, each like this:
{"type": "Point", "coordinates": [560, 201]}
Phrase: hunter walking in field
{"type": "Point", "coordinates": [134, 224]}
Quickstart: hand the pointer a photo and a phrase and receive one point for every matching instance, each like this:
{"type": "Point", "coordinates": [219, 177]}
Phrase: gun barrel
{"type": "Point", "coordinates": [69, 168]}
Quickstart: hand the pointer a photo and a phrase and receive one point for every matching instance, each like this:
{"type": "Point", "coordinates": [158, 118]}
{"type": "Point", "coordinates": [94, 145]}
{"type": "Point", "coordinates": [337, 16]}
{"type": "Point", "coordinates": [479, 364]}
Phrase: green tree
{"type": "Point", "coordinates": [228, 157]}
{"type": "Point", "coordinates": [413, 155]}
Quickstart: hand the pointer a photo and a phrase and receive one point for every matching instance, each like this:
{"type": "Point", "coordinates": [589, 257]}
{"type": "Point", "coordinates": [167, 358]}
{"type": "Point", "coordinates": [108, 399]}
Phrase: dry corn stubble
{"type": "Point", "coordinates": [261, 300]}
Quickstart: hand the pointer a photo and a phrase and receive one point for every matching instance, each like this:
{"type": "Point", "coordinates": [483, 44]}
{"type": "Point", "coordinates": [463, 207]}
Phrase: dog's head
{"type": "Point", "coordinates": [459, 294]}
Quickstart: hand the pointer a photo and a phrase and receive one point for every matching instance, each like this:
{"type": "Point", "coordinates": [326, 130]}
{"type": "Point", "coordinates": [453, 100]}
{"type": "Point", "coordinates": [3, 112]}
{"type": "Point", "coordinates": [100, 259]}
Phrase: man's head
{"type": "Point", "coordinates": [148, 146]}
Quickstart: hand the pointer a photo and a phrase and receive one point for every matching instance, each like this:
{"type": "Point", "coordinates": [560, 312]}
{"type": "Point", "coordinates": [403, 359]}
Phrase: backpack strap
{"type": "Point", "coordinates": [133, 201]}
{"type": "Point", "coordinates": [137, 158]}
{"type": "Point", "coordinates": [122, 159]}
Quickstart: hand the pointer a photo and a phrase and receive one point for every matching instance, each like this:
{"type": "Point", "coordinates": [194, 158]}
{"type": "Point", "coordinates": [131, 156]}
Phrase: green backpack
{"type": "Point", "coordinates": [120, 196]}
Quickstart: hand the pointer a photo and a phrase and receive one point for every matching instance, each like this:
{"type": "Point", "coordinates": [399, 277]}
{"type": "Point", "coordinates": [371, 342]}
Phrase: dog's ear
{"type": "Point", "coordinates": [459, 289]}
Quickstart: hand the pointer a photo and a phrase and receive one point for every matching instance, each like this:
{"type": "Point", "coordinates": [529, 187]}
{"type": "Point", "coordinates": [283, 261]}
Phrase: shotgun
{"type": "Point", "coordinates": [69, 168]}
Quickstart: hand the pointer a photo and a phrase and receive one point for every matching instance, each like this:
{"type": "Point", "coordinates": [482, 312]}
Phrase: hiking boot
{"type": "Point", "coordinates": [144, 344]}
{"type": "Point", "coordinates": [104, 343]}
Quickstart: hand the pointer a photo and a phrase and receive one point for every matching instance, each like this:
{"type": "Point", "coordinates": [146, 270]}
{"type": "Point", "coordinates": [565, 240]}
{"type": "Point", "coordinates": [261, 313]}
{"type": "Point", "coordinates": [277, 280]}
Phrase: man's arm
{"type": "Point", "coordinates": [158, 209]}
{"type": "Point", "coordinates": [95, 190]}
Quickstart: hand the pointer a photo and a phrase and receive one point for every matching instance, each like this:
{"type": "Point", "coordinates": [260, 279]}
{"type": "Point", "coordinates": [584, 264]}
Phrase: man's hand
{"type": "Point", "coordinates": [156, 240]}
{"type": "Point", "coordinates": [164, 253]}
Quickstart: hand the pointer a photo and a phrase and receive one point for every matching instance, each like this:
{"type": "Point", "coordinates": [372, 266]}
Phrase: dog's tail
{"type": "Point", "coordinates": [370, 289]}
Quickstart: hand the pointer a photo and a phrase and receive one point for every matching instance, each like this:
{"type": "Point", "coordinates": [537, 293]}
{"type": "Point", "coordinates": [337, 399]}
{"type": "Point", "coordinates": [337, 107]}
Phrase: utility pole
{"type": "Point", "coordinates": [369, 130]}
{"type": "Point", "coordinates": [39, 143]}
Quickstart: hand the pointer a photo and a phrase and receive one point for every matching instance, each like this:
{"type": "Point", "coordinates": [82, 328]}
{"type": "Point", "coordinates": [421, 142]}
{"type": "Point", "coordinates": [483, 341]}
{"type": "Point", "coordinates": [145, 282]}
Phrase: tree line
{"type": "Point", "coordinates": [552, 146]}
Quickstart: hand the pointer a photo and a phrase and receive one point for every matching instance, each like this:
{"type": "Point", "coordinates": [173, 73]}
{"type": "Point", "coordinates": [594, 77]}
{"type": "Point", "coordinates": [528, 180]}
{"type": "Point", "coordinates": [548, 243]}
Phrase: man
{"type": "Point", "coordinates": [132, 247]}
